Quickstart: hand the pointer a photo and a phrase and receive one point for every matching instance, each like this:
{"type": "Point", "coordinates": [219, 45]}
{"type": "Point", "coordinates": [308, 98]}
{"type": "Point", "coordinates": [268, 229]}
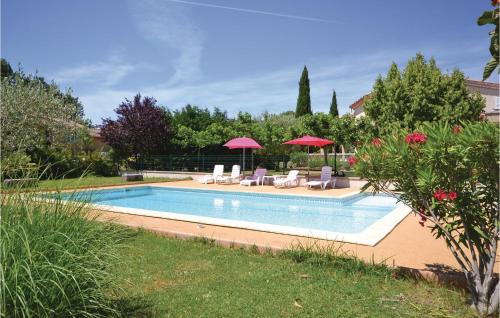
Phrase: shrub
{"type": "Point", "coordinates": [16, 165]}
{"type": "Point", "coordinates": [55, 259]}
{"type": "Point", "coordinates": [298, 159]}
{"type": "Point", "coordinates": [102, 164]}
{"type": "Point", "coordinates": [449, 176]}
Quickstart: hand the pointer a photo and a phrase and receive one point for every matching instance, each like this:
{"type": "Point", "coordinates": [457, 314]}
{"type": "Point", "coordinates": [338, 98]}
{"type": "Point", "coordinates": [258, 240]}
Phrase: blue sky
{"type": "Point", "coordinates": [237, 55]}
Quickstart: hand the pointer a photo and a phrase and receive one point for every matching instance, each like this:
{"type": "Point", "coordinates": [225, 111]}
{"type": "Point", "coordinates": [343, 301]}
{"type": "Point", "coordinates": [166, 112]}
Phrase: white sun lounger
{"type": "Point", "coordinates": [210, 178]}
{"type": "Point", "coordinates": [235, 176]}
{"type": "Point", "coordinates": [289, 181]}
{"type": "Point", "coordinates": [257, 178]}
{"type": "Point", "coordinates": [326, 179]}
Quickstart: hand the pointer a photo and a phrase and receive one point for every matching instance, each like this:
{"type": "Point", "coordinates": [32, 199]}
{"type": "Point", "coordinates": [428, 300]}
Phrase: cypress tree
{"type": "Point", "coordinates": [304, 99]}
{"type": "Point", "coordinates": [334, 111]}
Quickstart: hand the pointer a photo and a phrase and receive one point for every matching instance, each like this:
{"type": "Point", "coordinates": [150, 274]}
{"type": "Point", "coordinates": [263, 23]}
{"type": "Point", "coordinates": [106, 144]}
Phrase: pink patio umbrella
{"type": "Point", "coordinates": [309, 141]}
{"type": "Point", "coordinates": [242, 143]}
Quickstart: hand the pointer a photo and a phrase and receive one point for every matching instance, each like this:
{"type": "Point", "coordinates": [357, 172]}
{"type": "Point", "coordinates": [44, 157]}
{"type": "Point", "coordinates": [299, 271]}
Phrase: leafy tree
{"type": "Point", "coordinates": [334, 111]}
{"type": "Point", "coordinates": [304, 99]}
{"type": "Point", "coordinates": [142, 128]}
{"type": "Point", "coordinates": [193, 117]}
{"type": "Point", "coordinates": [449, 177]}
{"type": "Point", "coordinates": [275, 130]}
{"type": "Point", "coordinates": [34, 115]}
{"type": "Point", "coordinates": [6, 70]}
{"type": "Point", "coordinates": [491, 17]}
{"type": "Point", "coordinates": [420, 93]}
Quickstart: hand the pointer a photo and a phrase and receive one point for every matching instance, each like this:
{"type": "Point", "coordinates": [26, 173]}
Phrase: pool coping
{"type": "Point", "coordinates": [369, 236]}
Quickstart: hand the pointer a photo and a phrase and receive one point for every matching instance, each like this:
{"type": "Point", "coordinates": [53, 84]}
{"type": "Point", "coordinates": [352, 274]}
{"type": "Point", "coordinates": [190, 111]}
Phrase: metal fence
{"type": "Point", "coordinates": [205, 163]}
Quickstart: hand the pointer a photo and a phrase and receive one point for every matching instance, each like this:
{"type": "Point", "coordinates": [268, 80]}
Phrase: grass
{"type": "Point", "coordinates": [196, 278]}
{"type": "Point", "coordinates": [92, 181]}
{"type": "Point", "coordinates": [55, 262]}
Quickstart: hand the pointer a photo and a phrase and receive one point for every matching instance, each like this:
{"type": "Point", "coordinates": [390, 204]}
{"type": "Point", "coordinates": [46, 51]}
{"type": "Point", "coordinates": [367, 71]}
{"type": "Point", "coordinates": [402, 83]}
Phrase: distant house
{"type": "Point", "coordinates": [489, 91]}
{"type": "Point", "coordinates": [98, 142]}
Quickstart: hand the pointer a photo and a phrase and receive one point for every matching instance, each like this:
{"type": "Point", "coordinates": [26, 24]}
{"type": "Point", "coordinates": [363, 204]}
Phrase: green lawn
{"type": "Point", "coordinates": [91, 181]}
{"type": "Point", "coordinates": [198, 279]}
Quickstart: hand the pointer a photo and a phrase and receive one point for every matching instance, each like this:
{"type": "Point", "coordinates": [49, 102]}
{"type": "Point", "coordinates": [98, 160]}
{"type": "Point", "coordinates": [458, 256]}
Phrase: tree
{"type": "Point", "coordinates": [334, 111]}
{"type": "Point", "coordinates": [275, 130]}
{"type": "Point", "coordinates": [491, 17]}
{"type": "Point", "coordinates": [304, 99]}
{"type": "Point", "coordinates": [142, 128]}
{"type": "Point", "coordinates": [421, 93]}
{"type": "Point", "coordinates": [34, 115]}
{"type": "Point", "coordinates": [194, 117]}
{"type": "Point", "coordinates": [6, 70]}
{"type": "Point", "coordinates": [449, 177]}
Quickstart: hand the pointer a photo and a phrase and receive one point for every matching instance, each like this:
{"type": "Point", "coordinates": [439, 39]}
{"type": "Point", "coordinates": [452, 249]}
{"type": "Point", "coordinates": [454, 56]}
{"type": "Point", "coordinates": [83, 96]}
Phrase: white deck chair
{"type": "Point", "coordinates": [210, 178]}
{"type": "Point", "coordinates": [257, 178]}
{"type": "Point", "coordinates": [289, 181]}
{"type": "Point", "coordinates": [326, 179]}
{"type": "Point", "coordinates": [235, 176]}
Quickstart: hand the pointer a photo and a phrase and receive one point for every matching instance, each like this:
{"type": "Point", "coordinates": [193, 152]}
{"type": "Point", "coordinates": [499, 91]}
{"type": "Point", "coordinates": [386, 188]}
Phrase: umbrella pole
{"type": "Point", "coordinates": [251, 151]}
{"type": "Point", "coordinates": [243, 161]}
{"type": "Point", "coordinates": [308, 164]}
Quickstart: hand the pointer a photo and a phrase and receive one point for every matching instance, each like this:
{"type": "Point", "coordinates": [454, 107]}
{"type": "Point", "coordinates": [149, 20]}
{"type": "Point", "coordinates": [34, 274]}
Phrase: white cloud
{"type": "Point", "coordinates": [106, 73]}
{"type": "Point", "coordinates": [350, 75]}
{"type": "Point", "coordinates": [169, 25]}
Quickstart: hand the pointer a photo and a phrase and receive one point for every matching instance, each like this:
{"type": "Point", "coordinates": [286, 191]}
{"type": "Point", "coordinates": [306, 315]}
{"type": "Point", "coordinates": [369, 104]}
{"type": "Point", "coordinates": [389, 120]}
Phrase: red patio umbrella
{"type": "Point", "coordinates": [309, 141]}
{"type": "Point", "coordinates": [242, 143]}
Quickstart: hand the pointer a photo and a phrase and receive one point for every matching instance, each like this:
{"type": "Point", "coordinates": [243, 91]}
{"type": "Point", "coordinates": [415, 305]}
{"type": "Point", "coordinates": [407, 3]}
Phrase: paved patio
{"type": "Point", "coordinates": [408, 245]}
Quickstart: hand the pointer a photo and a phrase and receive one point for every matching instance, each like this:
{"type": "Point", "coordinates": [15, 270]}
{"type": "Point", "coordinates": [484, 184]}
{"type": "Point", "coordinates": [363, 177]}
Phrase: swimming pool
{"type": "Point", "coordinates": [359, 218]}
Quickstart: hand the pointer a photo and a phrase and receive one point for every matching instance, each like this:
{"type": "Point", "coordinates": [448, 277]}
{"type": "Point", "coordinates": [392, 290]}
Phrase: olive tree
{"type": "Point", "coordinates": [34, 114]}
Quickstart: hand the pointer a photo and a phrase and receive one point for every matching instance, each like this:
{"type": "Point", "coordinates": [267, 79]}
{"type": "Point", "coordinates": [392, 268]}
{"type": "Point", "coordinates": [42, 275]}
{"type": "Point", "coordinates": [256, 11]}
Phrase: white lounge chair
{"type": "Point", "coordinates": [326, 179]}
{"type": "Point", "coordinates": [235, 176]}
{"type": "Point", "coordinates": [289, 181]}
{"type": "Point", "coordinates": [210, 178]}
{"type": "Point", "coordinates": [257, 178]}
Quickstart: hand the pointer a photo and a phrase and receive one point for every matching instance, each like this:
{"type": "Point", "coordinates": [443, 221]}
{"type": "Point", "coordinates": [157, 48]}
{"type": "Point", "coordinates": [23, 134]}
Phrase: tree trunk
{"type": "Point", "coordinates": [485, 289]}
{"type": "Point", "coordinates": [485, 299]}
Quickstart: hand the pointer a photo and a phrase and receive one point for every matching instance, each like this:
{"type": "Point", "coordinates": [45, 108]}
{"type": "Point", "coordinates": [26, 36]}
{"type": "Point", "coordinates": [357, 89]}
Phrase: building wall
{"type": "Point", "coordinates": [359, 112]}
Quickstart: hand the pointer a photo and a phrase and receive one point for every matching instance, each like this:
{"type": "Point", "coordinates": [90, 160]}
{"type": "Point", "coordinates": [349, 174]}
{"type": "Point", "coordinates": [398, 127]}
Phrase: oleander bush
{"type": "Point", "coordinates": [449, 176]}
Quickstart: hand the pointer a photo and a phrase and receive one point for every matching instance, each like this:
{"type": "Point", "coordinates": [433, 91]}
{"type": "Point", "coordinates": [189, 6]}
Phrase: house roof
{"type": "Point", "coordinates": [95, 132]}
{"type": "Point", "coordinates": [471, 83]}
{"type": "Point", "coordinates": [360, 101]}
{"type": "Point", "coordinates": [481, 84]}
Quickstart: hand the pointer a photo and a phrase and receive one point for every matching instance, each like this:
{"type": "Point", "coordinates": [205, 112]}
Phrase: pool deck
{"type": "Point", "coordinates": [408, 245]}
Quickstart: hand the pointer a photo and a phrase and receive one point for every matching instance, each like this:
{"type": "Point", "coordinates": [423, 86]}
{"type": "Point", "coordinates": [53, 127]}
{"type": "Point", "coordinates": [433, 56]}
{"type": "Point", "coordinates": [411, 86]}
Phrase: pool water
{"type": "Point", "coordinates": [348, 215]}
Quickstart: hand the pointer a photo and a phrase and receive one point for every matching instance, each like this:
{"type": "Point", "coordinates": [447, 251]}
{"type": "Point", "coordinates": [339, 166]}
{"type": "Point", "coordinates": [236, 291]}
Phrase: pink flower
{"type": "Point", "coordinates": [416, 138]}
{"type": "Point", "coordinates": [409, 139]}
{"type": "Point", "coordinates": [421, 212]}
{"type": "Point", "coordinates": [440, 195]}
{"type": "Point", "coordinates": [422, 220]}
{"type": "Point", "coordinates": [456, 129]}
{"type": "Point", "coordinates": [452, 196]}
{"type": "Point", "coordinates": [352, 160]}
{"type": "Point", "coordinates": [377, 142]}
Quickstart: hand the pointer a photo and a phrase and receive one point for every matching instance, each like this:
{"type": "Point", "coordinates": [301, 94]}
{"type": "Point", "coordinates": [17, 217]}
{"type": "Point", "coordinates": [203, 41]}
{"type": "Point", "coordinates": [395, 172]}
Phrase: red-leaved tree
{"type": "Point", "coordinates": [141, 128]}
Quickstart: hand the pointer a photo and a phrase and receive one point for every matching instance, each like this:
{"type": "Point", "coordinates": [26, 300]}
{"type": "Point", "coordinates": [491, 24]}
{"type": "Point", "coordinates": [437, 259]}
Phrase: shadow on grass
{"type": "Point", "coordinates": [134, 307]}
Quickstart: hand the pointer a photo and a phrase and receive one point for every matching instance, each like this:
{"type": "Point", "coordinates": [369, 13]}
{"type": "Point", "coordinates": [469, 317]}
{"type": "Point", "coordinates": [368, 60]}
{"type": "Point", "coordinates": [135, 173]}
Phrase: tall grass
{"type": "Point", "coordinates": [55, 259]}
{"type": "Point", "coordinates": [333, 255]}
